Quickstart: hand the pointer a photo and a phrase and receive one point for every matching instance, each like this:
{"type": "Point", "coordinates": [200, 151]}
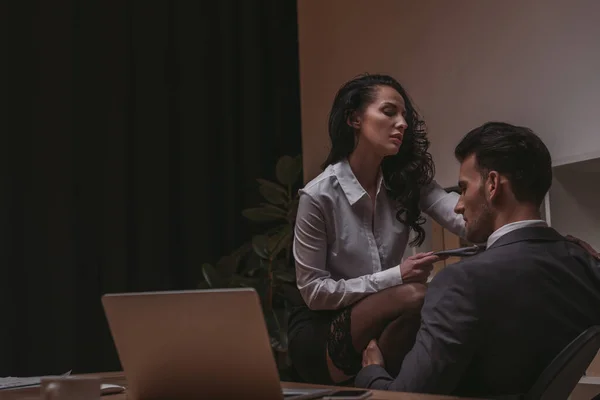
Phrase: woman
{"type": "Point", "coordinates": [352, 229]}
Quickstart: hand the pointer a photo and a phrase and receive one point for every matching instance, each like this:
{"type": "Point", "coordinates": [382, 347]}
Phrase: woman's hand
{"type": "Point", "coordinates": [586, 246]}
{"type": "Point", "coordinates": [418, 267]}
{"type": "Point", "coordinates": [372, 355]}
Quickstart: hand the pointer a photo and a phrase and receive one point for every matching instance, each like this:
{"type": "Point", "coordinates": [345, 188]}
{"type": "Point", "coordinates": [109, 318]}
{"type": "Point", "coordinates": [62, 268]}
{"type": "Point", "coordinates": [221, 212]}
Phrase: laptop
{"type": "Point", "coordinates": [183, 345]}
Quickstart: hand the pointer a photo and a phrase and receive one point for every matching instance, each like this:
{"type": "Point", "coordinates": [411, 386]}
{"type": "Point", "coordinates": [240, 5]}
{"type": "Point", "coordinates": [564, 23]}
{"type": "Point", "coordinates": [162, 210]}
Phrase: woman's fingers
{"type": "Point", "coordinates": [418, 256]}
{"type": "Point", "coordinates": [430, 259]}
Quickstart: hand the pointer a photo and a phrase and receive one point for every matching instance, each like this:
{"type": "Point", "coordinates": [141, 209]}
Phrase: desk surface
{"type": "Point", "coordinates": [119, 379]}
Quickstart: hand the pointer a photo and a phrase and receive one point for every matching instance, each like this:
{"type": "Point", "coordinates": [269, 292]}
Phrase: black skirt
{"type": "Point", "coordinates": [311, 334]}
{"type": "Point", "coordinates": [307, 340]}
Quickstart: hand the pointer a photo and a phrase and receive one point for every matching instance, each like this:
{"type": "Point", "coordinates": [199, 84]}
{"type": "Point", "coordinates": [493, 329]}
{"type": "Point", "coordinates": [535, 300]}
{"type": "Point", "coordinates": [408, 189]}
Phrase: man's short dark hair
{"type": "Point", "coordinates": [513, 151]}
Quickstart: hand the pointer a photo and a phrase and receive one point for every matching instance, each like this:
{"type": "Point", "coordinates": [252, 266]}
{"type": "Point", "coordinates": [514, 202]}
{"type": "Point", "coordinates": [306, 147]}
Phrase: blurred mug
{"type": "Point", "coordinates": [70, 388]}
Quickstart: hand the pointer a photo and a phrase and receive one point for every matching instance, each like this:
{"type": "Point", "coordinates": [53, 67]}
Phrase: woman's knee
{"type": "Point", "coordinates": [410, 296]}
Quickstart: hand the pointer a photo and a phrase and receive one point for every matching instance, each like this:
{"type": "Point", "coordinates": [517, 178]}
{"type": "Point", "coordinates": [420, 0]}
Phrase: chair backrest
{"type": "Point", "coordinates": [564, 372]}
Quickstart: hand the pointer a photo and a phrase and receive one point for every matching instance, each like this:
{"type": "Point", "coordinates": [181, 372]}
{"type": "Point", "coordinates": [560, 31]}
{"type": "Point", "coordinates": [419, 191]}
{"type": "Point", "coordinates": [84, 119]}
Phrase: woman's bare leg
{"type": "Point", "coordinates": [370, 317]}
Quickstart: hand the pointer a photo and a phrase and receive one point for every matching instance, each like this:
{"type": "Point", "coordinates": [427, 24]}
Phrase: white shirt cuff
{"type": "Point", "coordinates": [388, 278]}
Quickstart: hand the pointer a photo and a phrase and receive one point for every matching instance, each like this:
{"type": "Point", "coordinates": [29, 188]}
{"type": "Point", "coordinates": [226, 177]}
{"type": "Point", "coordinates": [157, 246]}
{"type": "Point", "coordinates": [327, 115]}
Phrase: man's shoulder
{"type": "Point", "coordinates": [505, 255]}
{"type": "Point", "coordinates": [459, 273]}
{"type": "Point", "coordinates": [474, 271]}
{"type": "Point", "coordinates": [469, 267]}
{"type": "Point", "coordinates": [503, 262]}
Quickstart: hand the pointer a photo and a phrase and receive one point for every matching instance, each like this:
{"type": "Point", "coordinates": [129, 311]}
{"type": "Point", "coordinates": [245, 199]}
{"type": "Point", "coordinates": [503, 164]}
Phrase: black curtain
{"type": "Point", "coordinates": [136, 132]}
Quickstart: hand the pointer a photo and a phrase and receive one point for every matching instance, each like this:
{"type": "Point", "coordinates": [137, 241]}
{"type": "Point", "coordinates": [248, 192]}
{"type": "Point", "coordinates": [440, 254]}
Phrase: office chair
{"type": "Point", "coordinates": [559, 379]}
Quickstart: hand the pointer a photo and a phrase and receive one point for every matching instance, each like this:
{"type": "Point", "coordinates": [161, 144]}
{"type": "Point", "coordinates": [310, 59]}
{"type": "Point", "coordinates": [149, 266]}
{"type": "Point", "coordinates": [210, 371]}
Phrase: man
{"type": "Point", "coordinates": [491, 323]}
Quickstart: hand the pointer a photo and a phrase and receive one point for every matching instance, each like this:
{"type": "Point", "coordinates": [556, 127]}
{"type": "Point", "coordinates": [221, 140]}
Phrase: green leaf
{"type": "Point", "coordinates": [277, 327]}
{"type": "Point", "coordinates": [274, 209]}
{"type": "Point", "coordinates": [260, 244]}
{"type": "Point", "coordinates": [203, 285]}
{"type": "Point", "coordinates": [277, 336]}
{"type": "Point", "coordinates": [283, 264]}
{"type": "Point", "coordinates": [227, 265]}
{"type": "Point", "coordinates": [288, 169]}
{"type": "Point", "coordinates": [276, 344]}
{"type": "Point", "coordinates": [280, 240]}
{"type": "Point", "coordinates": [252, 264]}
{"type": "Point", "coordinates": [242, 250]}
{"type": "Point", "coordinates": [242, 281]}
{"type": "Point", "coordinates": [272, 195]}
{"type": "Point", "coordinates": [272, 185]}
{"type": "Point", "coordinates": [252, 271]}
{"type": "Point", "coordinates": [211, 276]}
{"type": "Point", "coordinates": [283, 342]}
{"type": "Point", "coordinates": [287, 275]}
{"type": "Point", "coordinates": [264, 214]}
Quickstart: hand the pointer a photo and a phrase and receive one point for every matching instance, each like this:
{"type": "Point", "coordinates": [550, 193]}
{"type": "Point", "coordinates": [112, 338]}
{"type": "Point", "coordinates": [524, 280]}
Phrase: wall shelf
{"type": "Point", "coordinates": [572, 205]}
{"type": "Point", "coordinates": [576, 159]}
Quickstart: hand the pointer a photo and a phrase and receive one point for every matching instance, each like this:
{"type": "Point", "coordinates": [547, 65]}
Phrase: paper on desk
{"type": "Point", "coordinates": [12, 382]}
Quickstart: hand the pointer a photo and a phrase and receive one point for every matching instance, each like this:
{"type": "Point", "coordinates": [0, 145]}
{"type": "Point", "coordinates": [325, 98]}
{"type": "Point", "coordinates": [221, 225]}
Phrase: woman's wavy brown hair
{"type": "Point", "coordinates": [404, 173]}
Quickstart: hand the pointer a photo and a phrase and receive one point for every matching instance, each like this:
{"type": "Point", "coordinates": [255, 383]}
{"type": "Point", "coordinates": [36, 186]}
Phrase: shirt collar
{"type": "Point", "coordinates": [350, 185]}
{"type": "Point", "coordinates": [503, 230]}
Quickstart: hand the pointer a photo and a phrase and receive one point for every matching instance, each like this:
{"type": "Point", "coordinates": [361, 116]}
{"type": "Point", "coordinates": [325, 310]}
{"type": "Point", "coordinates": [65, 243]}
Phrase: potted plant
{"type": "Point", "coordinates": [266, 262]}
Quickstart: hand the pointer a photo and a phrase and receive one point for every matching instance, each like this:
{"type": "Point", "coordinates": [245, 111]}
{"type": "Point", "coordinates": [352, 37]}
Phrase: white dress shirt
{"type": "Point", "coordinates": [343, 249]}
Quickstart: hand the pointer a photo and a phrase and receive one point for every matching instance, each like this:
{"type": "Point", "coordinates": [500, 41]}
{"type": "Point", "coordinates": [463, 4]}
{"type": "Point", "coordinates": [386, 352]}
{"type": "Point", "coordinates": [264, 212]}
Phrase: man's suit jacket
{"type": "Point", "coordinates": [491, 323]}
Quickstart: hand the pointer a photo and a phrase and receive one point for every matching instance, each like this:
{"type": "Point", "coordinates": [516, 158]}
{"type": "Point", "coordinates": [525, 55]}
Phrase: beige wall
{"type": "Point", "coordinates": [463, 62]}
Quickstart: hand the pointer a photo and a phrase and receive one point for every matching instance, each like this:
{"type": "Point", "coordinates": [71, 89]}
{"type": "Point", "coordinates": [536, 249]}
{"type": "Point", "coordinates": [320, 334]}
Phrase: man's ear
{"type": "Point", "coordinates": [493, 185]}
{"type": "Point", "coordinates": [353, 120]}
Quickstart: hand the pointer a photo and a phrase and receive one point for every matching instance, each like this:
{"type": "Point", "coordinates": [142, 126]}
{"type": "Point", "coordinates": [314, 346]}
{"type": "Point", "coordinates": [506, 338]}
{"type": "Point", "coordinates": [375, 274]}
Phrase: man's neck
{"type": "Point", "coordinates": [525, 220]}
{"type": "Point", "coordinates": [516, 214]}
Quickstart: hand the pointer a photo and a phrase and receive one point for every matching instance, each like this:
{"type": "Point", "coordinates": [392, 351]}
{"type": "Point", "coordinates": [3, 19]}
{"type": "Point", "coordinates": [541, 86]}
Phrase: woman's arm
{"type": "Point", "coordinates": [318, 289]}
{"type": "Point", "coordinates": [439, 205]}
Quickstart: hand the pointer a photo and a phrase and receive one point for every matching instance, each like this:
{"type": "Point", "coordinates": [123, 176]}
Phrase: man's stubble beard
{"type": "Point", "coordinates": [483, 225]}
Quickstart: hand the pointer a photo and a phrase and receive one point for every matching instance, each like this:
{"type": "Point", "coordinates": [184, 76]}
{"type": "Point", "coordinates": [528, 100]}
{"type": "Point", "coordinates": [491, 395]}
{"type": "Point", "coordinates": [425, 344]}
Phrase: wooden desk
{"type": "Point", "coordinates": [119, 379]}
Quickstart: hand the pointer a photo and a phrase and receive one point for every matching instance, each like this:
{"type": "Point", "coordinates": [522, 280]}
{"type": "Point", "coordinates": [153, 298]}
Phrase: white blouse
{"type": "Point", "coordinates": [343, 254]}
